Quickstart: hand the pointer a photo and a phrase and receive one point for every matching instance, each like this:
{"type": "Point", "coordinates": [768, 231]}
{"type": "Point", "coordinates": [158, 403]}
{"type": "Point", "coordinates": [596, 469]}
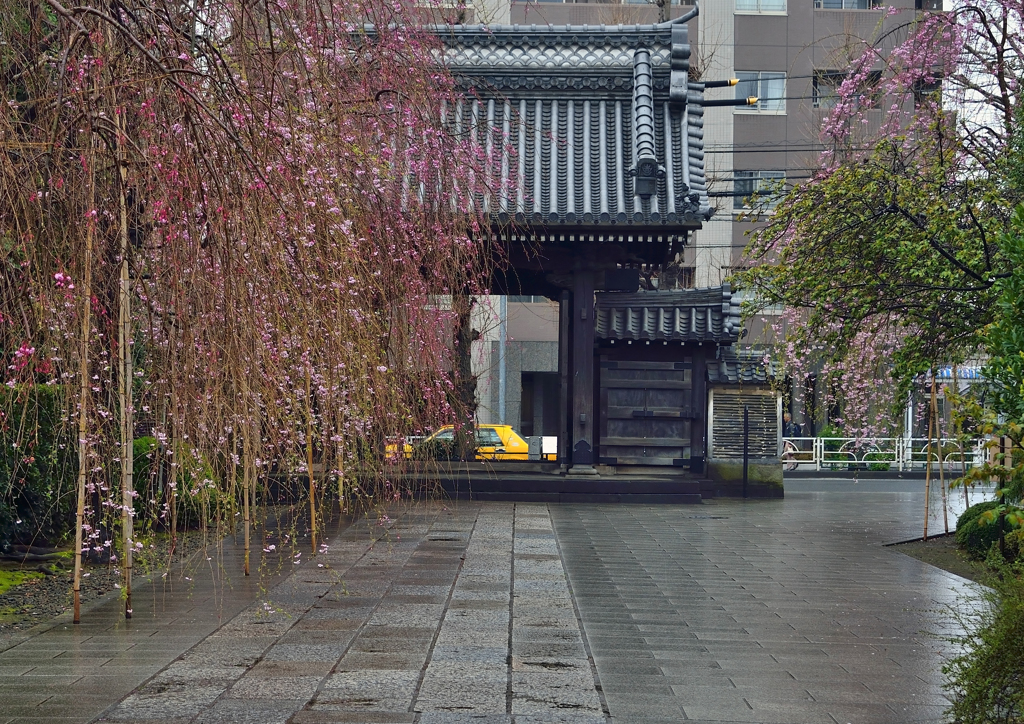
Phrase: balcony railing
{"type": "Point", "coordinates": [881, 453]}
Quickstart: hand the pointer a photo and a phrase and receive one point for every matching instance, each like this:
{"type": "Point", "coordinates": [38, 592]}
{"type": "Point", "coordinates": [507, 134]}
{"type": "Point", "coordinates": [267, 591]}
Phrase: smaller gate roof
{"type": "Point", "coordinates": [738, 367]}
{"type": "Point", "coordinates": [685, 315]}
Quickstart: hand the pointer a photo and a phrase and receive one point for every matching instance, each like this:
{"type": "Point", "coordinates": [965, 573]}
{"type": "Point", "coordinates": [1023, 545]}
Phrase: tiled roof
{"type": "Point", "coordinates": [738, 367]}
{"type": "Point", "coordinates": [589, 125]}
{"type": "Point", "coordinates": [686, 315]}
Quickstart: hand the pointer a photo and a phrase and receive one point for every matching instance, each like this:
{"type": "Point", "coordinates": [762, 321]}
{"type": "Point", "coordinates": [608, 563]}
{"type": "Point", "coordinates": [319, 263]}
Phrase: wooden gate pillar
{"type": "Point", "coordinates": [583, 422]}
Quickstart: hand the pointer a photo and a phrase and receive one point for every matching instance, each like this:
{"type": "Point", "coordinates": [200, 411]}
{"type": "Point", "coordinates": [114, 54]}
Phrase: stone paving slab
{"type": "Point", "coordinates": [445, 615]}
{"type": "Point", "coordinates": [773, 612]}
{"type": "Point", "coordinates": [787, 612]}
{"type": "Point", "coordinates": [60, 672]}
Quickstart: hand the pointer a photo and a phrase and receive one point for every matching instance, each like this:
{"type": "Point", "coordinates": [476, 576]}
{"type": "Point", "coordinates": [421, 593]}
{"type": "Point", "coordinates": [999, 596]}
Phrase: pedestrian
{"type": "Point", "coordinates": [790, 429]}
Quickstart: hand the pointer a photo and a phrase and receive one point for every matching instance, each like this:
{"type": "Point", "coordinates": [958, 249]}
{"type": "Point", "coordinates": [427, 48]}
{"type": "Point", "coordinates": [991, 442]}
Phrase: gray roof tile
{"type": "Point", "coordinates": [738, 367]}
{"type": "Point", "coordinates": [686, 315]}
{"type": "Point", "coordinates": [593, 123]}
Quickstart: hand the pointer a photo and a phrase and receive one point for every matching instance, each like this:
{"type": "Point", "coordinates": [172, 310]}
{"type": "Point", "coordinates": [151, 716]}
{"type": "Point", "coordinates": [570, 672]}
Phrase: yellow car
{"type": "Point", "coordinates": [493, 442]}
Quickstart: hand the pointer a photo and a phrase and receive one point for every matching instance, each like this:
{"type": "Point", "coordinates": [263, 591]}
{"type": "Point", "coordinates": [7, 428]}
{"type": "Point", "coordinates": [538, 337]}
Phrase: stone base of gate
{"type": "Point", "coordinates": [725, 479]}
{"type": "Point", "coordinates": [470, 484]}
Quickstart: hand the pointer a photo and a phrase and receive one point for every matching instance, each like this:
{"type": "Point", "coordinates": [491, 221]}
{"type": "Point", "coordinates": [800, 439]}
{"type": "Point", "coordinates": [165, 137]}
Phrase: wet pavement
{"type": "Point", "coordinates": [787, 611]}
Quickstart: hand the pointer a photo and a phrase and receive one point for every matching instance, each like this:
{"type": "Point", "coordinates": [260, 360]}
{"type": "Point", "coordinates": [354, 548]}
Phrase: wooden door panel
{"type": "Point", "coordinates": [648, 412]}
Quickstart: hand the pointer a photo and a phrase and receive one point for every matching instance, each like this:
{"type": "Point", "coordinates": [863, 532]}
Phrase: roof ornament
{"type": "Point", "coordinates": [680, 59]}
{"type": "Point", "coordinates": [647, 171]}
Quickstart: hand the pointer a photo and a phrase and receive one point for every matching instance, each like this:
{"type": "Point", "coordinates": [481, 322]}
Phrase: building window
{"type": "Point", "coordinates": [927, 90]}
{"type": "Point", "coordinates": [748, 183]}
{"type": "Point", "coordinates": [847, 4]}
{"type": "Point", "coordinates": [825, 90]}
{"type": "Point", "coordinates": [769, 88]}
{"type": "Point", "coordinates": [760, 6]}
{"type": "Point", "coordinates": [528, 298]}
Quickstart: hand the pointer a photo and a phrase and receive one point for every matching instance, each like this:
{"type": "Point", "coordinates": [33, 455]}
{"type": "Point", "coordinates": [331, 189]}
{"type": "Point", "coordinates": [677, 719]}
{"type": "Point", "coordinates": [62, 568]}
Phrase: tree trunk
{"type": "Point", "coordinates": [465, 382]}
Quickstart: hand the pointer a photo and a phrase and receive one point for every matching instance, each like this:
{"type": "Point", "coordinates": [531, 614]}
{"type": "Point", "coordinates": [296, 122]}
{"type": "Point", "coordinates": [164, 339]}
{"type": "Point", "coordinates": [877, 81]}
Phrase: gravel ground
{"type": "Point", "coordinates": [41, 599]}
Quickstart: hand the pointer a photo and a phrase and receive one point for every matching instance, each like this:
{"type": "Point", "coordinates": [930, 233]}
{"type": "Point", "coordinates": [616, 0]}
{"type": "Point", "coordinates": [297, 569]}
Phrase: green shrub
{"type": "Point", "coordinates": [1014, 544]}
{"type": "Point", "coordinates": [984, 682]}
{"type": "Point", "coordinates": [199, 495]}
{"type": "Point", "coordinates": [38, 465]}
{"type": "Point", "coordinates": [145, 451]}
{"type": "Point", "coordinates": [832, 446]}
{"type": "Point", "coordinates": [883, 465]}
{"type": "Point", "coordinates": [975, 537]}
{"type": "Point", "coordinates": [974, 511]}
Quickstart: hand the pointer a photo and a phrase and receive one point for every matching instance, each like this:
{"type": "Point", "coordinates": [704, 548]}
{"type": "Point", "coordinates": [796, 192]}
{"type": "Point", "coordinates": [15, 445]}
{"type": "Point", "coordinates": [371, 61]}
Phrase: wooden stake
{"type": "Point", "coordinates": [83, 399]}
{"type": "Point", "coordinates": [309, 458]}
{"type": "Point", "coordinates": [124, 359]}
{"type": "Point", "coordinates": [960, 441]}
{"type": "Point", "coordinates": [246, 480]}
{"type": "Point", "coordinates": [928, 463]}
{"type": "Point", "coordinates": [942, 476]}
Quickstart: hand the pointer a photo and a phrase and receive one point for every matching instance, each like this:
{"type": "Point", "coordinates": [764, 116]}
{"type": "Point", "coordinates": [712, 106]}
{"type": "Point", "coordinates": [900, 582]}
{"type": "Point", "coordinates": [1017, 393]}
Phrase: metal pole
{"type": "Point", "coordinates": [746, 445]}
{"type": "Point", "coordinates": [502, 335]}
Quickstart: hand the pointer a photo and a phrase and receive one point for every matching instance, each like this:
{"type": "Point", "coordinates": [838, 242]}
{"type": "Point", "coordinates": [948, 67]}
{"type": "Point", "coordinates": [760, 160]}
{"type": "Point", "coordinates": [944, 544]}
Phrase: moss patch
{"type": "Point", "coordinates": [9, 579]}
{"type": "Point", "coordinates": [757, 472]}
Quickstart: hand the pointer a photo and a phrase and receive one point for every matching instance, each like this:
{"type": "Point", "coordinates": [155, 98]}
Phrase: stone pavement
{"type": "Point", "coordinates": [784, 611]}
{"type": "Point", "coordinates": [60, 672]}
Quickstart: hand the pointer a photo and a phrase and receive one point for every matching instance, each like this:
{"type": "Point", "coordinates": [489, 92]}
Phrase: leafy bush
{"type": "Point", "coordinates": [38, 465]}
{"type": "Point", "coordinates": [1014, 544]}
{"type": "Point", "coordinates": [974, 511]}
{"type": "Point", "coordinates": [976, 537]}
{"type": "Point", "coordinates": [832, 446]}
{"type": "Point", "coordinates": [984, 682]}
{"type": "Point", "coordinates": [146, 461]}
{"type": "Point", "coordinates": [198, 491]}
{"type": "Point", "coordinates": [883, 463]}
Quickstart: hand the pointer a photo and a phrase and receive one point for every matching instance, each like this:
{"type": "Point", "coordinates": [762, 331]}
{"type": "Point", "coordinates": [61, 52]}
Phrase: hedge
{"type": "Point", "coordinates": [38, 466]}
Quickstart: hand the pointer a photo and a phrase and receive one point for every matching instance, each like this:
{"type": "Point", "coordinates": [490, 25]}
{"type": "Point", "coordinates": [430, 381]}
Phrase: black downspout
{"type": "Point", "coordinates": [746, 445]}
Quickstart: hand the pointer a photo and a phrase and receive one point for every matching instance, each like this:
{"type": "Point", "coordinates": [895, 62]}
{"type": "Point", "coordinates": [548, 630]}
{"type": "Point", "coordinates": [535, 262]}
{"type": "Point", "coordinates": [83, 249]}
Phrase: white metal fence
{"type": "Point", "coordinates": [880, 453]}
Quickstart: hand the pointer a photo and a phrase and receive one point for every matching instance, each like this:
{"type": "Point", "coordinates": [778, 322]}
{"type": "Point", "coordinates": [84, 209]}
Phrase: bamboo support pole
{"type": "Point", "coordinates": [83, 401]}
{"type": "Point", "coordinates": [960, 442]}
{"type": "Point", "coordinates": [942, 462]}
{"type": "Point", "coordinates": [246, 482]}
{"type": "Point", "coordinates": [126, 375]}
{"type": "Point", "coordinates": [928, 462]}
{"type": "Point", "coordinates": [309, 458]}
{"type": "Point", "coordinates": [174, 472]}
